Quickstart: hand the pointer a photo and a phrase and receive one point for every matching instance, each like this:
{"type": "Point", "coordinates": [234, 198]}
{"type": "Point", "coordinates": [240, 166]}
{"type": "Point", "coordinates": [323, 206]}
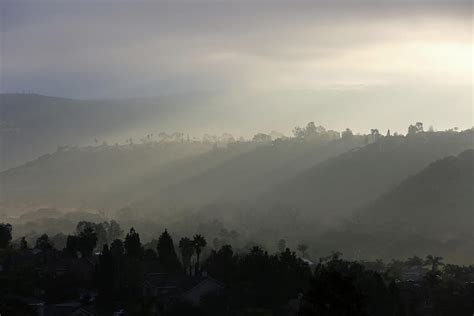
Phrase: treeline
{"type": "Point", "coordinates": [255, 281]}
{"type": "Point", "coordinates": [311, 132]}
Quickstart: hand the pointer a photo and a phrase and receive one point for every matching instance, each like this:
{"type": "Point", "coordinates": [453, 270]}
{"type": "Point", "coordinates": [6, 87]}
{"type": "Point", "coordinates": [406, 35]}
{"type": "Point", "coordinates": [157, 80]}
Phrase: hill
{"type": "Point", "coordinates": [437, 202]}
{"type": "Point", "coordinates": [430, 212]}
{"type": "Point", "coordinates": [75, 177]}
{"type": "Point", "coordinates": [32, 125]}
{"type": "Point", "coordinates": [335, 188]}
{"type": "Point", "coordinates": [265, 189]}
{"type": "Point", "coordinates": [315, 181]}
{"type": "Point", "coordinates": [153, 176]}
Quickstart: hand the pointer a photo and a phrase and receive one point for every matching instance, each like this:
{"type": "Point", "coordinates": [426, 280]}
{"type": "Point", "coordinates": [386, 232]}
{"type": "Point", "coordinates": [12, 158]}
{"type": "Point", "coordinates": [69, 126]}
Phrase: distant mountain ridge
{"type": "Point", "coordinates": [32, 125]}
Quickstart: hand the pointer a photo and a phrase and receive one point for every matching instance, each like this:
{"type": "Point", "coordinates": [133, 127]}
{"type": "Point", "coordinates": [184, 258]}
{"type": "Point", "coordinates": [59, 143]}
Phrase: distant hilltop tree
{"type": "Point", "coordinates": [414, 129]}
{"type": "Point", "coordinates": [347, 133]}
{"type": "Point", "coordinates": [262, 138]}
{"type": "Point", "coordinates": [313, 132]}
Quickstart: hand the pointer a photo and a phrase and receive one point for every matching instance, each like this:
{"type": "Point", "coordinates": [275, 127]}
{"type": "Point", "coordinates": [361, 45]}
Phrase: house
{"type": "Point", "coordinates": [203, 287]}
{"type": "Point", "coordinates": [166, 287]}
{"type": "Point", "coordinates": [62, 309]}
{"type": "Point", "coordinates": [84, 311]}
{"type": "Point", "coordinates": [413, 274]}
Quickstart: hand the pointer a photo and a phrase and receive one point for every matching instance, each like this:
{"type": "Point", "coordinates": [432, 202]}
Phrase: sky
{"type": "Point", "coordinates": [341, 63]}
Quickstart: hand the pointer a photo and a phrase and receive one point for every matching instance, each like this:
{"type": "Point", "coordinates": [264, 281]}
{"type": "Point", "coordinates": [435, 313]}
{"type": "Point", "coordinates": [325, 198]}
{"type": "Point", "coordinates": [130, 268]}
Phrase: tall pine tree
{"type": "Point", "coordinates": [166, 253]}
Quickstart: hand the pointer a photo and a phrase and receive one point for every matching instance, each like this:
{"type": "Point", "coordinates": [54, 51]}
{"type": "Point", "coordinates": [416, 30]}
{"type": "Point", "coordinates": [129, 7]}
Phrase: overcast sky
{"type": "Point", "coordinates": [341, 62]}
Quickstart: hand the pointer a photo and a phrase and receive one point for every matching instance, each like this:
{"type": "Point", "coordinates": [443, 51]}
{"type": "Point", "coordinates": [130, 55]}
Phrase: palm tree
{"type": "Point", "coordinates": [199, 242]}
{"type": "Point", "coordinates": [434, 262]}
{"type": "Point", "coordinates": [186, 247]}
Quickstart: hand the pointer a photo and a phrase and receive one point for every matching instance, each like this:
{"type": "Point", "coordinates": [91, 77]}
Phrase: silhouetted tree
{"type": "Point", "coordinates": [150, 254]}
{"type": "Point", "coordinates": [417, 128]}
{"type": "Point", "coordinates": [43, 243]}
{"type": "Point", "coordinates": [116, 248]}
{"type": "Point", "coordinates": [347, 133]}
{"type": "Point", "coordinates": [186, 248]}
{"type": "Point", "coordinates": [5, 235]}
{"type": "Point", "coordinates": [311, 131]}
{"type": "Point", "coordinates": [98, 229]}
{"type": "Point", "coordinates": [298, 132]}
{"type": "Point", "coordinates": [87, 241]}
{"type": "Point", "coordinates": [105, 276]}
{"type": "Point", "coordinates": [199, 242]}
{"type": "Point", "coordinates": [434, 262]}
{"type": "Point", "coordinates": [293, 272]}
{"type": "Point", "coordinates": [333, 291]}
{"type": "Point", "coordinates": [133, 246]}
{"type": "Point", "coordinates": [166, 252]}
{"type": "Point", "coordinates": [221, 264]}
{"type": "Point", "coordinates": [72, 244]}
{"type": "Point", "coordinates": [105, 250]}
{"type": "Point", "coordinates": [375, 133]}
{"type": "Point", "coordinates": [262, 138]}
{"type": "Point", "coordinates": [132, 268]}
{"type": "Point", "coordinates": [59, 241]}
{"type": "Point", "coordinates": [257, 276]}
{"type": "Point", "coordinates": [23, 243]}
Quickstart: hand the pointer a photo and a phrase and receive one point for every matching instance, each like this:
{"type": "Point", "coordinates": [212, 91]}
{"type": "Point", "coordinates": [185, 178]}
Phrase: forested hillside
{"type": "Point", "coordinates": [429, 212]}
{"type": "Point", "coordinates": [436, 202]}
{"type": "Point", "coordinates": [316, 180]}
{"type": "Point", "coordinates": [339, 185]}
{"type": "Point", "coordinates": [157, 174]}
